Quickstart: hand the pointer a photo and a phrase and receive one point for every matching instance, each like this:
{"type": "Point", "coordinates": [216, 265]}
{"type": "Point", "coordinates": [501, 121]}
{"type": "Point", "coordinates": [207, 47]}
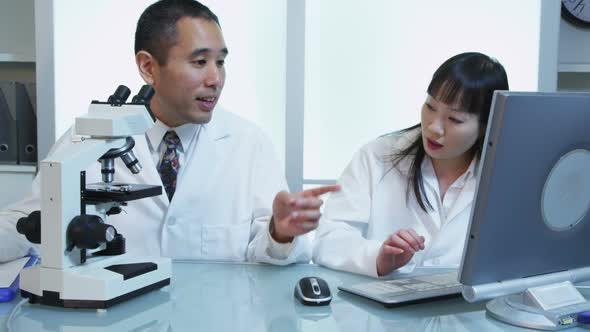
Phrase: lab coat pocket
{"type": "Point", "coordinates": [181, 239]}
{"type": "Point", "coordinates": [227, 242]}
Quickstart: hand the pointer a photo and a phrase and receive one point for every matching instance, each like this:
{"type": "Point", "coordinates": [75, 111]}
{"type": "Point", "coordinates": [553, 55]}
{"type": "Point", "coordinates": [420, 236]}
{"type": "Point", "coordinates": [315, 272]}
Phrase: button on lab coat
{"type": "Point", "coordinates": [220, 210]}
{"type": "Point", "coordinates": [373, 204]}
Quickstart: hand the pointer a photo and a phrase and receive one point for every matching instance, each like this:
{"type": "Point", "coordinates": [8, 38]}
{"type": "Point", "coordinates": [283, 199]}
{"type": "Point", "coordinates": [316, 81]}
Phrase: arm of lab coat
{"type": "Point", "coordinates": [341, 241]}
{"type": "Point", "coordinates": [12, 244]}
{"type": "Point", "coordinates": [268, 180]}
{"type": "Point", "coordinates": [265, 249]}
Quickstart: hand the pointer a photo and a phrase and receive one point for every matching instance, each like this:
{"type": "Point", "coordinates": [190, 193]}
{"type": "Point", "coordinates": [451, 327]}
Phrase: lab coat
{"type": "Point", "coordinates": [220, 210]}
{"type": "Point", "coordinates": [373, 204]}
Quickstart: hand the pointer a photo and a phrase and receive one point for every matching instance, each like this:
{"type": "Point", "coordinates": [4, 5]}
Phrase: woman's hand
{"type": "Point", "coordinates": [397, 250]}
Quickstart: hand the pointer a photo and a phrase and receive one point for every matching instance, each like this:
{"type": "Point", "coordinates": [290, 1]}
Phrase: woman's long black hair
{"type": "Point", "coordinates": [468, 79]}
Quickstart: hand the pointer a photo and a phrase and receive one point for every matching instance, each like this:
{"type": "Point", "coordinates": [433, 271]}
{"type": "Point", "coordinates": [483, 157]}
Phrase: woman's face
{"type": "Point", "coordinates": [448, 132]}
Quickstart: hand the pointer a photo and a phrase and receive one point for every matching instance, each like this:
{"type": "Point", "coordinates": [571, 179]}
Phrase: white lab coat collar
{"type": "Point", "coordinates": [216, 129]}
{"type": "Point", "coordinates": [203, 135]}
{"type": "Point", "coordinates": [204, 147]}
{"type": "Point", "coordinates": [186, 134]}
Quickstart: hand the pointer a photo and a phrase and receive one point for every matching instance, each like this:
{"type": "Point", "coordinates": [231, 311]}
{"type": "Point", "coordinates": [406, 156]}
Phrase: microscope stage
{"type": "Point", "coordinates": [119, 192]}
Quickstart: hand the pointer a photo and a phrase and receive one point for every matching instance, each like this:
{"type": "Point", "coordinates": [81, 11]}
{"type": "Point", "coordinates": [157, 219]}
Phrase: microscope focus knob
{"type": "Point", "coordinates": [88, 232]}
{"type": "Point", "coordinates": [30, 226]}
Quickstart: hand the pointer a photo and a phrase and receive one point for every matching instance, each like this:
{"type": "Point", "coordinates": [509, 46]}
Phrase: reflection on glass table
{"type": "Point", "coordinates": [251, 297]}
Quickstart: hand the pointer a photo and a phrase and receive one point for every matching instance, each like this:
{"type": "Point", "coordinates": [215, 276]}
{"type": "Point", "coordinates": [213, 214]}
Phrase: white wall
{"type": "Point", "coordinates": [254, 31]}
{"type": "Point", "coordinates": [368, 65]}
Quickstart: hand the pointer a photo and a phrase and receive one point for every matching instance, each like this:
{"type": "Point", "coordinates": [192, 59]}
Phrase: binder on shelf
{"type": "Point", "coordinates": [26, 124]}
{"type": "Point", "coordinates": [8, 143]}
{"type": "Point", "coordinates": [19, 101]}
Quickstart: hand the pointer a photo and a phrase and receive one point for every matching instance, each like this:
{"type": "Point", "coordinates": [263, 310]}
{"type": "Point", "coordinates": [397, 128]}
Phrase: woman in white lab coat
{"type": "Point", "coordinates": [406, 197]}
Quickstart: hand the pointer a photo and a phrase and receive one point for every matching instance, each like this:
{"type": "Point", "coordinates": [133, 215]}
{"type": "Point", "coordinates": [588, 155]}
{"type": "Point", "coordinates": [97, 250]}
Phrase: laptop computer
{"type": "Point", "coordinates": [408, 290]}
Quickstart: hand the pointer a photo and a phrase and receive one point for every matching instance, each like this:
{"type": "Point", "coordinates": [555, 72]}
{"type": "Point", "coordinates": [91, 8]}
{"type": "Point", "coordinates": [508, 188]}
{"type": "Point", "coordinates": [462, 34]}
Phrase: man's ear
{"type": "Point", "coordinates": [147, 66]}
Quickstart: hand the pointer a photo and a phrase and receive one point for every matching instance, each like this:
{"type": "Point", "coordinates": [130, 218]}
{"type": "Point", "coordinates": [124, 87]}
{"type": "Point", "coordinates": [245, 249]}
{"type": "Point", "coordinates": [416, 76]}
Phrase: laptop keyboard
{"type": "Point", "coordinates": [398, 287]}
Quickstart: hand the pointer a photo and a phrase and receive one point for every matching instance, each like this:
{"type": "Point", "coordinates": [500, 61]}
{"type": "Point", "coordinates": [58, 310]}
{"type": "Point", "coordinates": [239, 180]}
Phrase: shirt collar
{"type": "Point", "coordinates": [471, 171]}
{"type": "Point", "coordinates": [429, 175]}
{"type": "Point", "coordinates": [185, 133]}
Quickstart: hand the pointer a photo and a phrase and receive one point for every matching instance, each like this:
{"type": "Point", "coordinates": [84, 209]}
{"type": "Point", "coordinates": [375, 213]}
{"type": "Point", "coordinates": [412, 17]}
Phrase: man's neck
{"type": "Point", "coordinates": [164, 117]}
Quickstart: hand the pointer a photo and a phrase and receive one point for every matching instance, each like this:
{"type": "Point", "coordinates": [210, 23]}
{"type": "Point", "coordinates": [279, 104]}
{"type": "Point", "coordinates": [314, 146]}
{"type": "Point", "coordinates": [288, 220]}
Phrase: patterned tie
{"type": "Point", "coordinates": [169, 165]}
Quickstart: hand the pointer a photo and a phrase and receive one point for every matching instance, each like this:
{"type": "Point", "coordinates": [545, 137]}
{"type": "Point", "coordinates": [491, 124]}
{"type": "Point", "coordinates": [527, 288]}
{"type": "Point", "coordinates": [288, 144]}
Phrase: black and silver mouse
{"type": "Point", "coordinates": [313, 291]}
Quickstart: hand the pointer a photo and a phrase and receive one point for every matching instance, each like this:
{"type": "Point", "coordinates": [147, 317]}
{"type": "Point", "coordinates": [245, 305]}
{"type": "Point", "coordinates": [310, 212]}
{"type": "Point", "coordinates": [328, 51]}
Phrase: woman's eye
{"type": "Point", "coordinates": [429, 107]}
{"type": "Point", "coordinates": [455, 120]}
{"type": "Point", "coordinates": [220, 63]}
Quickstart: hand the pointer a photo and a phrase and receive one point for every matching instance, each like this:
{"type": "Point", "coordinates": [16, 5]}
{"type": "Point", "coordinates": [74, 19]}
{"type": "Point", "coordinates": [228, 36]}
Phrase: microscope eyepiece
{"type": "Point", "coordinates": [144, 95]}
{"type": "Point", "coordinates": [120, 96]}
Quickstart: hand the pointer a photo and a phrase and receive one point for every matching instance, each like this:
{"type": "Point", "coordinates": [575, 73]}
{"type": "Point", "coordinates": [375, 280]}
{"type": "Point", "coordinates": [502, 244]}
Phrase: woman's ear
{"type": "Point", "coordinates": [147, 66]}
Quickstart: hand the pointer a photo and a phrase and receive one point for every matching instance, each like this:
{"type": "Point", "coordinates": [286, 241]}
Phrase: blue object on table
{"type": "Point", "coordinates": [584, 317]}
{"type": "Point", "coordinates": [9, 293]}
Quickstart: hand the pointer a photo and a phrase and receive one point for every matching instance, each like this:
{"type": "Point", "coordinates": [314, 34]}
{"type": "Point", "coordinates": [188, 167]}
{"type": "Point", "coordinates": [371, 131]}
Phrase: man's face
{"type": "Point", "coordinates": [188, 86]}
{"type": "Point", "coordinates": [448, 132]}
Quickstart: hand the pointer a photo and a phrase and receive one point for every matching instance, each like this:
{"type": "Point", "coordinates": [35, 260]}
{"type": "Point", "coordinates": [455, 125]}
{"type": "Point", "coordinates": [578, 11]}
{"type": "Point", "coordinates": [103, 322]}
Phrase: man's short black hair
{"type": "Point", "coordinates": [156, 29]}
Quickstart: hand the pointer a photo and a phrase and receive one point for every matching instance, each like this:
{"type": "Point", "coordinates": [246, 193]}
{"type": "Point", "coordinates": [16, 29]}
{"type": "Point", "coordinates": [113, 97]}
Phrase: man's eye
{"type": "Point", "coordinates": [220, 63]}
{"type": "Point", "coordinates": [199, 62]}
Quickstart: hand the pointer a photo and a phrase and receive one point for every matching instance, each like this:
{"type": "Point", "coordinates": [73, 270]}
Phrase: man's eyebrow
{"type": "Point", "coordinates": [200, 51]}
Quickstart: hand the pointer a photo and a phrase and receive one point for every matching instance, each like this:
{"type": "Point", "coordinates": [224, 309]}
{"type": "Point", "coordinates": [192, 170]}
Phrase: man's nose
{"type": "Point", "coordinates": [214, 76]}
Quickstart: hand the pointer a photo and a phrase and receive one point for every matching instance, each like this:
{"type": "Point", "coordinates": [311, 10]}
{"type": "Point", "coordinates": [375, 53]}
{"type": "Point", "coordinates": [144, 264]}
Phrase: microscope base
{"type": "Point", "coordinates": [96, 285]}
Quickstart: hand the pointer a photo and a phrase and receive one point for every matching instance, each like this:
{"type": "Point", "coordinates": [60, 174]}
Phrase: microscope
{"type": "Point", "coordinates": [83, 259]}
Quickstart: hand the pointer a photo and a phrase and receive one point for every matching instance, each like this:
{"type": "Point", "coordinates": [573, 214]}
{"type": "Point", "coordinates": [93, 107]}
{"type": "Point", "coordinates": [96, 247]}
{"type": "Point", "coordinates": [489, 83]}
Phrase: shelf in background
{"type": "Point", "coordinates": [11, 57]}
{"type": "Point", "coordinates": [13, 168]}
{"type": "Point", "coordinates": [573, 68]}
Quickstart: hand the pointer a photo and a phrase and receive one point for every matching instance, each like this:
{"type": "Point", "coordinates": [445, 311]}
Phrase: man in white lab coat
{"type": "Point", "coordinates": [220, 174]}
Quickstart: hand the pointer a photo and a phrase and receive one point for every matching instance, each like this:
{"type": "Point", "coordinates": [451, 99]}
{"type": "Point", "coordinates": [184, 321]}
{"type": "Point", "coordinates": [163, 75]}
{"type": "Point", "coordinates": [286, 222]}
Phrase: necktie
{"type": "Point", "coordinates": [169, 165]}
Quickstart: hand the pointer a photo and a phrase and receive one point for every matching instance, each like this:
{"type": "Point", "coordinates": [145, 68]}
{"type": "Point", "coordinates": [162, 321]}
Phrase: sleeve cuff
{"type": "Point", "coordinates": [372, 253]}
{"type": "Point", "coordinates": [279, 250]}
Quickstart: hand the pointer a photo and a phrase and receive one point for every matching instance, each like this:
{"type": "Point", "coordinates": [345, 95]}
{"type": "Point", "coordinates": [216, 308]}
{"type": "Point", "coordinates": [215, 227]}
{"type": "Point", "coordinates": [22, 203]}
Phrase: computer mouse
{"type": "Point", "coordinates": [313, 291]}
